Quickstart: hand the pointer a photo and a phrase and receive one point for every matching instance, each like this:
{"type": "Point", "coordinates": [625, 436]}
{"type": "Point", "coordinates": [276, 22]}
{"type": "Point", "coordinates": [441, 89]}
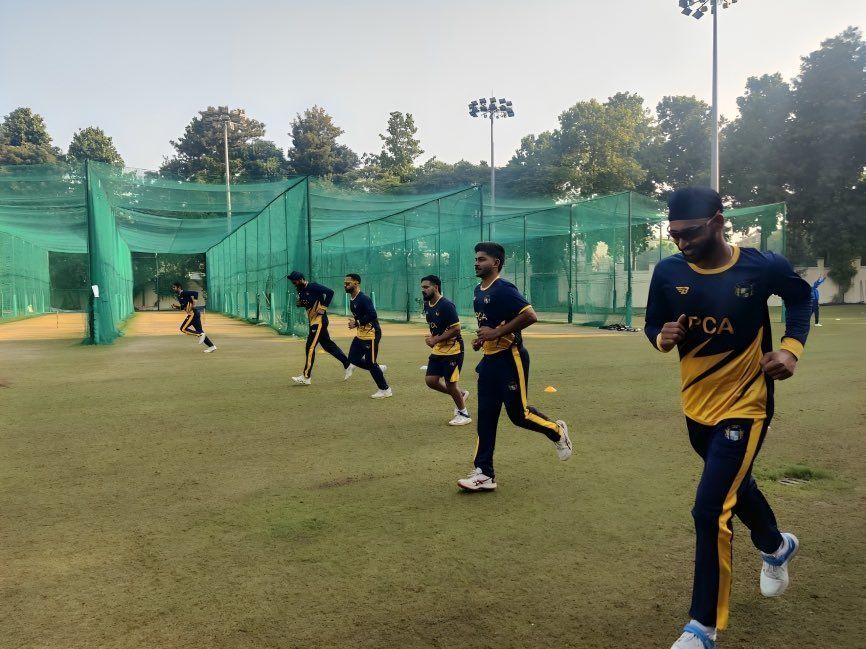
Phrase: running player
{"type": "Point", "coordinates": [316, 298]}
{"type": "Point", "coordinates": [446, 345]}
{"type": "Point", "coordinates": [364, 351]}
{"type": "Point", "coordinates": [192, 320]}
{"type": "Point", "coordinates": [710, 302]}
{"type": "Point", "coordinates": [503, 372]}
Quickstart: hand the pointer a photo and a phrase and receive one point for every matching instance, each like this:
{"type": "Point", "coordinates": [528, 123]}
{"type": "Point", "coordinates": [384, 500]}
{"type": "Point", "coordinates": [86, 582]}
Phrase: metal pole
{"type": "Point", "coordinates": [228, 183]}
{"type": "Point", "coordinates": [714, 138]}
{"type": "Point", "coordinates": [492, 226]}
{"type": "Point", "coordinates": [629, 261]}
{"type": "Point", "coordinates": [571, 264]}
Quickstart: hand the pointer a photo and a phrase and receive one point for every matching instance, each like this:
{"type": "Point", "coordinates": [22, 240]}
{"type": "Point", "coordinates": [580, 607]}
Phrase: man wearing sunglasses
{"type": "Point", "coordinates": [710, 302]}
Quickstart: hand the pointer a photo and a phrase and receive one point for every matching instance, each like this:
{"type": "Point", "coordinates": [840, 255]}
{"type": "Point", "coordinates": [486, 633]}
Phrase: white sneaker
{"type": "Point", "coordinates": [460, 420]}
{"type": "Point", "coordinates": [348, 372]}
{"type": "Point", "coordinates": [477, 481]}
{"type": "Point", "coordinates": [774, 572]}
{"type": "Point", "coordinates": [694, 638]}
{"type": "Point", "coordinates": [384, 368]}
{"type": "Point", "coordinates": [201, 338]}
{"type": "Point", "coordinates": [210, 349]}
{"type": "Point", "coordinates": [383, 394]}
{"type": "Point", "coordinates": [818, 324]}
{"type": "Point", "coordinates": [563, 446]}
{"type": "Point", "coordinates": [301, 380]}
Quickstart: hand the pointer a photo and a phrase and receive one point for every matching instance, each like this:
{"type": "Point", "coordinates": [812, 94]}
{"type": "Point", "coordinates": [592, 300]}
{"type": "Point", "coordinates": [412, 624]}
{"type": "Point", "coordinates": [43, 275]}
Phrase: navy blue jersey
{"type": "Point", "coordinates": [366, 317]}
{"type": "Point", "coordinates": [441, 316]}
{"type": "Point", "coordinates": [314, 297]}
{"type": "Point", "coordinates": [728, 329]}
{"type": "Point", "coordinates": [187, 299]}
{"type": "Point", "coordinates": [495, 305]}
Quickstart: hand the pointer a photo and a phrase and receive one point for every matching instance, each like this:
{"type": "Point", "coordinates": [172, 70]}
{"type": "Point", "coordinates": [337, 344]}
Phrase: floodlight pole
{"type": "Point", "coordinates": [714, 139]}
{"type": "Point", "coordinates": [492, 175]}
{"type": "Point", "coordinates": [228, 180]}
{"type": "Point", "coordinates": [492, 111]}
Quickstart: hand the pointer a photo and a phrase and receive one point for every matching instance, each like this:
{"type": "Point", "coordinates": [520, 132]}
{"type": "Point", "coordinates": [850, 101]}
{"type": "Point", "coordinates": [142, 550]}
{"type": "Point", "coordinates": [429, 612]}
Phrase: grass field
{"type": "Point", "coordinates": [155, 496]}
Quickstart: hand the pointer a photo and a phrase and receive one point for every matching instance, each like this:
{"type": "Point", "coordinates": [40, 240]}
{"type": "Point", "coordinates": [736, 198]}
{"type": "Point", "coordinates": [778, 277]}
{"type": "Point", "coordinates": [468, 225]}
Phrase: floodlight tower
{"type": "Point", "coordinates": [702, 7]}
{"type": "Point", "coordinates": [492, 110]}
{"type": "Point", "coordinates": [229, 119]}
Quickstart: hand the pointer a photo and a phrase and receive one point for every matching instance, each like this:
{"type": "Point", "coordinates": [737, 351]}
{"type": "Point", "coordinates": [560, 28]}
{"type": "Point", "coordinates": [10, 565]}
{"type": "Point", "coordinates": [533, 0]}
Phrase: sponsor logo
{"type": "Point", "coordinates": [682, 290]}
{"type": "Point", "coordinates": [744, 289]}
{"type": "Point", "coordinates": [711, 325]}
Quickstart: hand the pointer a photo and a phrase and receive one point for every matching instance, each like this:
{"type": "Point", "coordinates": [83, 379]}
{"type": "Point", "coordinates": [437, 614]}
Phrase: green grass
{"type": "Point", "coordinates": [154, 496]}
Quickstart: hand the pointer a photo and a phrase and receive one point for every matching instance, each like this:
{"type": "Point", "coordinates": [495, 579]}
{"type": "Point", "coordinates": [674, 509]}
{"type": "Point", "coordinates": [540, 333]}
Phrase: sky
{"type": "Point", "coordinates": [142, 70]}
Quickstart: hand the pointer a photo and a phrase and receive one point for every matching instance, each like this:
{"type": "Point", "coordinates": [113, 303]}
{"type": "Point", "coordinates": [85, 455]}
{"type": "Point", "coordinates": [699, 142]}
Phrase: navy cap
{"type": "Point", "coordinates": [693, 203]}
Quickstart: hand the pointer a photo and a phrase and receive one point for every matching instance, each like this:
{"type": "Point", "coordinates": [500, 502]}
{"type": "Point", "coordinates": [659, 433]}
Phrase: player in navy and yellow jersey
{"type": "Point", "coordinates": [503, 373]}
{"type": "Point", "coordinates": [446, 347]}
{"type": "Point", "coordinates": [364, 352]}
{"type": "Point", "coordinates": [710, 301]}
{"type": "Point", "coordinates": [192, 318]}
{"type": "Point", "coordinates": [315, 299]}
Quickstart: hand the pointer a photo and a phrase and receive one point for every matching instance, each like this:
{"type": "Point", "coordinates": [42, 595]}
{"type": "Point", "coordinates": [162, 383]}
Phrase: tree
{"type": "Point", "coordinates": [597, 149]}
{"type": "Point", "coordinates": [681, 154]}
{"type": "Point", "coordinates": [315, 150]}
{"type": "Point", "coordinates": [25, 140]}
{"type": "Point", "coordinates": [754, 148]}
{"type": "Point", "coordinates": [92, 143]}
{"type": "Point", "coordinates": [400, 147]}
{"type": "Point", "coordinates": [827, 152]}
{"type": "Point", "coordinates": [200, 154]}
{"type": "Point", "coordinates": [435, 175]}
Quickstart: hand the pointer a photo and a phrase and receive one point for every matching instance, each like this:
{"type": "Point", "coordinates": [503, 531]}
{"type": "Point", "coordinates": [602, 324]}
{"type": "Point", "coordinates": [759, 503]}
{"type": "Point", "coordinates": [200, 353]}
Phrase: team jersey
{"type": "Point", "coordinates": [728, 329]}
{"type": "Point", "coordinates": [365, 315]}
{"type": "Point", "coordinates": [187, 299]}
{"type": "Point", "coordinates": [441, 316]}
{"type": "Point", "coordinates": [495, 305]}
{"type": "Point", "coordinates": [313, 297]}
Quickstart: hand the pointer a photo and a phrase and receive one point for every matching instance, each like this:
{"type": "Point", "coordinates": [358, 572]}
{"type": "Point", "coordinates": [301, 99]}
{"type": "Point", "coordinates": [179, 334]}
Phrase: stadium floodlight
{"type": "Point", "coordinates": [492, 111]}
{"type": "Point", "coordinates": [229, 119]}
{"type": "Point", "coordinates": [702, 8]}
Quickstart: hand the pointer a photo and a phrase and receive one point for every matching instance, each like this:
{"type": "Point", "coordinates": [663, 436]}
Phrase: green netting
{"type": "Point", "coordinates": [24, 286]}
{"type": "Point", "coordinates": [586, 262]}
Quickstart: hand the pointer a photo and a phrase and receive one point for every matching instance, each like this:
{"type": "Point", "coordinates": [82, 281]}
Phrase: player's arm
{"type": "Point", "coordinates": [368, 313]}
{"type": "Point", "coordinates": [190, 306]}
{"type": "Point", "coordinates": [524, 319]}
{"type": "Point", "coordinates": [325, 298]}
{"type": "Point", "coordinates": [662, 330]}
{"type": "Point", "coordinates": [797, 296]}
{"type": "Point", "coordinates": [451, 332]}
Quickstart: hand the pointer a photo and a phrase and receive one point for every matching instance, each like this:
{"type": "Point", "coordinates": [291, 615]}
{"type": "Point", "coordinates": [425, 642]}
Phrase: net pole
{"type": "Point", "coordinates": [309, 228]}
{"type": "Point", "coordinates": [406, 262]}
{"type": "Point", "coordinates": [629, 253]}
{"type": "Point", "coordinates": [571, 264]}
{"type": "Point", "coordinates": [784, 248]}
{"type": "Point", "coordinates": [438, 238]}
{"type": "Point", "coordinates": [481, 212]}
{"type": "Point", "coordinates": [91, 249]}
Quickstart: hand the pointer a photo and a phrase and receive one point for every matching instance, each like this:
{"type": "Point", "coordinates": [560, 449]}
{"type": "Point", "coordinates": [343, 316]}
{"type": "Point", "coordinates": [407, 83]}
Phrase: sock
{"type": "Point", "coordinates": [778, 554]}
{"type": "Point", "coordinates": [464, 412]}
{"type": "Point", "coordinates": [709, 630]}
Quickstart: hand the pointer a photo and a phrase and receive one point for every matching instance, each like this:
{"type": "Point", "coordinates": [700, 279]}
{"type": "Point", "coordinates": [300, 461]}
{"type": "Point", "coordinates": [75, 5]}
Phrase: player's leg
{"type": "Point", "coordinates": [312, 340]}
{"type": "Point", "coordinates": [376, 370]}
{"type": "Point", "coordinates": [730, 451]}
{"type": "Point", "coordinates": [187, 326]}
{"type": "Point", "coordinates": [489, 408]}
{"type": "Point", "coordinates": [526, 416]}
{"type": "Point", "coordinates": [199, 330]}
{"type": "Point", "coordinates": [330, 346]}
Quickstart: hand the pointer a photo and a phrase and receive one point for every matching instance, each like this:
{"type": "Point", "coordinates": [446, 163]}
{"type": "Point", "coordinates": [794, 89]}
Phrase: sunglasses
{"type": "Point", "coordinates": [688, 234]}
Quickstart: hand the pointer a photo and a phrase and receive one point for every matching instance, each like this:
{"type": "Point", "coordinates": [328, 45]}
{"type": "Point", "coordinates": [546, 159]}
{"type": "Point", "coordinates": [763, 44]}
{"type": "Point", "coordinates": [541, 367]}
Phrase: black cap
{"type": "Point", "coordinates": [693, 203]}
{"type": "Point", "coordinates": [295, 276]}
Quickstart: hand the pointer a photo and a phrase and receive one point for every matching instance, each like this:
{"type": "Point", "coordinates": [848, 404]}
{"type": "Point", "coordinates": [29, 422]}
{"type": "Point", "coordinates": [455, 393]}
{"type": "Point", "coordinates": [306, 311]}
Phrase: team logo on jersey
{"type": "Point", "coordinates": [486, 299]}
{"type": "Point", "coordinates": [734, 432]}
{"type": "Point", "coordinates": [682, 290]}
{"type": "Point", "coordinates": [744, 289]}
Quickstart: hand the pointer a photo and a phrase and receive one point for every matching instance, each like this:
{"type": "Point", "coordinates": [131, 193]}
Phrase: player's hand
{"type": "Point", "coordinates": [353, 324]}
{"type": "Point", "coordinates": [321, 311]}
{"type": "Point", "coordinates": [779, 365]}
{"type": "Point", "coordinates": [175, 306]}
{"type": "Point", "coordinates": [673, 333]}
{"type": "Point", "coordinates": [477, 344]}
{"type": "Point", "coordinates": [488, 333]}
{"type": "Point", "coordinates": [429, 341]}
